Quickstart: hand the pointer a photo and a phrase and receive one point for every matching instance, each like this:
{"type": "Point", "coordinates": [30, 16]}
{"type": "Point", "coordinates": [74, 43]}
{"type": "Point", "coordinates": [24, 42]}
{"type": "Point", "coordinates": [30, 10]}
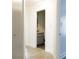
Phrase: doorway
{"type": "Point", "coordinates": [41, 29]}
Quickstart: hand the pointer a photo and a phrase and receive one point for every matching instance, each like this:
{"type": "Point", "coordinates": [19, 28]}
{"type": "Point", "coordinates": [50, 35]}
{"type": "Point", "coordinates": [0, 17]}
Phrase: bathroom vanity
{"type": "Point", "coordinates": [40, 38]}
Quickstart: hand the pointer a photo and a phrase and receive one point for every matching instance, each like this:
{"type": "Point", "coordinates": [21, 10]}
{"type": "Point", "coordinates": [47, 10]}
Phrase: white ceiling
{"type": "Point", "coordinates": [27, 1]}
{"type": "Point", "coordinates": [17, 1]}
{"type": "Point", "coordinates": [32, 0]}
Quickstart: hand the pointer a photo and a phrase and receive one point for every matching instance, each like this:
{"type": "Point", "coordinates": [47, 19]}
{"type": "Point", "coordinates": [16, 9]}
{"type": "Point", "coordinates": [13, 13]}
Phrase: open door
{"type": "Point", "coordinates": [41, 29]}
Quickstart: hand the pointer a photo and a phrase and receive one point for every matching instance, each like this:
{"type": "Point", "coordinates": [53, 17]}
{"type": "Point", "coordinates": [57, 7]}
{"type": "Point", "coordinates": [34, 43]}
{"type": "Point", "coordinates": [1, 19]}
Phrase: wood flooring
{"type": "Point", "coordinates": [37, 53]}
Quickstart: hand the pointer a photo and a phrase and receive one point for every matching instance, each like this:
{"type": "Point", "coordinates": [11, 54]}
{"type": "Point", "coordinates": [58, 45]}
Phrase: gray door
{"type": "Point", "coordinates": [62, 37]}
{"type": "Point", "coordinates": [62, 31]}
{"type": "Point", "coordinates": [17, 34]}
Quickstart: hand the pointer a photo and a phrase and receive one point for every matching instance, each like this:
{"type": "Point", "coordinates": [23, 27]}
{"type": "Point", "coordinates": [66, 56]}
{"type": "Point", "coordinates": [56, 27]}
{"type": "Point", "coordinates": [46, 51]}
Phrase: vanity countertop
{"type": "Point", "coordinates": [40, 32]}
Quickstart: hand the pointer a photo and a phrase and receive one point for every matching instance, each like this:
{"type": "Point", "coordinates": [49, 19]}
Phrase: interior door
{"type": "Point", "coordinates": [62, 36]}
{"type": "Point", "coordinates": [41, 29]}
{"type": "Point", "coordinates": [17, 32]}
{"type": "Point", "coordinates": [62, 31]}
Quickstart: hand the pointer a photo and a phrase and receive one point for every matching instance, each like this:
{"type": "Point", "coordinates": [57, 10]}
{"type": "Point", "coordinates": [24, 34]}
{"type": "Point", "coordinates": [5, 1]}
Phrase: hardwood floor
{"type": "Point", "coordinates": [37, 53]}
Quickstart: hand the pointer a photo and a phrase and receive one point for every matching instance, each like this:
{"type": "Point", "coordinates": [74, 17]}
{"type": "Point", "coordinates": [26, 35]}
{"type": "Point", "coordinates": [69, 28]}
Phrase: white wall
{"type": "Point", "coordinates": [50, 7]}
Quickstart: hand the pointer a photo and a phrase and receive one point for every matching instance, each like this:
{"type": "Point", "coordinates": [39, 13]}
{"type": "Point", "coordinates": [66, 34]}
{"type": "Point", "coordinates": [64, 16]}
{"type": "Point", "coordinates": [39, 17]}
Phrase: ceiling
{"type": "Point", "coordinates": [32, 0]}
{"type": "Point", "coordinates": [27, 1]}
{"type": "Point", "coordinates": [19, 1]}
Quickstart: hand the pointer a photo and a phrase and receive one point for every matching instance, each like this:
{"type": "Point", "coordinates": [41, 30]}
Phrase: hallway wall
{"type": "Point", "coordinates": [50, 7]}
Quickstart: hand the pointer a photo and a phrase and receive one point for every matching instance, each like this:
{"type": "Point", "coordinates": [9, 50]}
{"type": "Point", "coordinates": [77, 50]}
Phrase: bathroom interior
{"type": "Point", "coordinates": [41, 29]}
